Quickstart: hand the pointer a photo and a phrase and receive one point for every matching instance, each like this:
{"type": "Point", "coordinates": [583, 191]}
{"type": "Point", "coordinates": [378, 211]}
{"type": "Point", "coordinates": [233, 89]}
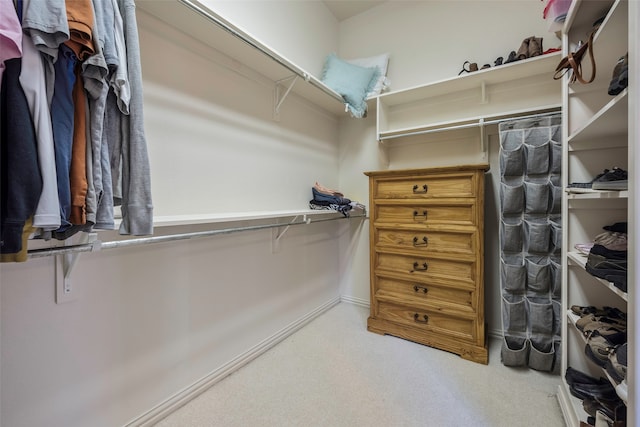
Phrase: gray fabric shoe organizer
{"type": "Point", "coordinates": [530, 241]}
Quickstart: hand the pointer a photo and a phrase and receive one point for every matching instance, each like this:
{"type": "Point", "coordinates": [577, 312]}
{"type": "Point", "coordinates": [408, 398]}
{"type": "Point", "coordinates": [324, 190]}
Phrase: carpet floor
{"type": "Point", "coordinates": [332, 372]}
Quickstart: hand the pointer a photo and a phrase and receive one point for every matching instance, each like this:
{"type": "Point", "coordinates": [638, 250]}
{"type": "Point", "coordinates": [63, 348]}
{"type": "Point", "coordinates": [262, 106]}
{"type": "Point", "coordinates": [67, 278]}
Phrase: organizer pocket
{"type": "Point", "coordinates": [511, 237]}
{"type": "Point", "coordinates": [511, 198]}
{"type": "Point", "coordinates": [556, 157]}
{"type": "Point", "coordinates": [513, 275]}
{"type": "Point", "coordinates": [514, 315]}
{"type": "Point", "coordinates": [537, 158]}
{"type": "Point", "coordinates": [556, 198]}
{"type": "Point", "coordinates": [511, 162]}
{"type": "Point", "coordinates": [540, 316]}
{"type": "Point", "coordinates": [556, 279]}
{"type": "Point", "coordinates": [515, 351]}
{"type": "Point", "coordinates": [538, 277]}
{"type": "Point", "coordinates": [510, 138]}
{"type": "Point", "coordinates": [536, 197]}
{"type": "Point", "coordinates": [556, 235]}
{"type": "Point", "coordinates": [541, 355]}
{"type": "Point", "coordinates": [537, 237]}
{"type": "Point", "coordinates": [557, 318]}
{"type": "Point", "coordinates": [557, 357]}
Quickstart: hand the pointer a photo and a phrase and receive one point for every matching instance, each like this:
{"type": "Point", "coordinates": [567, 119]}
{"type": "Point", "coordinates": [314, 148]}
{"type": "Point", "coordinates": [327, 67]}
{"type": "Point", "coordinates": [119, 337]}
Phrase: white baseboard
{"type": "Point", "coordinates": [179, 399]}
{"type": "Point", "coordinates": [357, 301]}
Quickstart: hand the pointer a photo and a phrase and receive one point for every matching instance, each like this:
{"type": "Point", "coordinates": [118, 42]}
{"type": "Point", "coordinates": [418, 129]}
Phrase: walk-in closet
{"type": "Point", "coordinates": [318, 213]}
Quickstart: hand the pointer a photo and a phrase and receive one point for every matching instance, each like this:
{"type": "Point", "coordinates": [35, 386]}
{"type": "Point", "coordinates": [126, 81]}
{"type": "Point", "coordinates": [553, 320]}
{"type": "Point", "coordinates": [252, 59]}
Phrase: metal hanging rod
{"type": "Point", "coordinates": [479, 122]}
{"type": "Point", "coordinates": [231, 29]}
{"type": "Point", "coordinates": [98, 245]}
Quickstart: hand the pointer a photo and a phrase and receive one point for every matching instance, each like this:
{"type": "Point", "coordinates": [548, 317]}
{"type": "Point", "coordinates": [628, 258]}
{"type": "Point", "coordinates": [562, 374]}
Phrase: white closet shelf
{"type": "Point", "coordinates": [175, 220]}
{"type": "Point", "coordinates": [609, 120]}
{"type": "Point", "coordinates": [501, 92]}
{"type": "Point", "coordinates": [581, 261]}
{"type": "Point", "coordinates": [597, 194]}
{"type": "Point", "coordinates": [194, 19]}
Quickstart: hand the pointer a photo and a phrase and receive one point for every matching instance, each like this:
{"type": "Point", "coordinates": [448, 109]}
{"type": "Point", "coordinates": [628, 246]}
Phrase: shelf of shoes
{"type": "Point", "coordinates": [573, 318]}
{"type": "Point", "coordinates": [581, 260]}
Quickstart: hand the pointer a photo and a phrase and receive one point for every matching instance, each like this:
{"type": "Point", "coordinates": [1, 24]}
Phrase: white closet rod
{"type": "Point", "coordinates": [97, 245]}
{"type": "Point", "coordinates": [480, 122]}
{"type": "Point", "coordinates": [231, 29]}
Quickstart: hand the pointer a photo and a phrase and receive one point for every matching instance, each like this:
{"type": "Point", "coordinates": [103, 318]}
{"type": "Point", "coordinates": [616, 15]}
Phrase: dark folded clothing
{"type": "Point", "coordinates": [319, 196]}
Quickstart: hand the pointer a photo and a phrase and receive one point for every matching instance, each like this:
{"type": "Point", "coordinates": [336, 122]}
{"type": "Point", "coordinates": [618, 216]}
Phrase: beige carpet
{"type": "Point", "coordinates": [333, 372]}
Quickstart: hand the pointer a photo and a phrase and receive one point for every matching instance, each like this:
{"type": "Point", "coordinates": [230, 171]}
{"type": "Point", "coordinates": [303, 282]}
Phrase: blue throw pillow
{"type": "Point", "coordinates": [351, 81]}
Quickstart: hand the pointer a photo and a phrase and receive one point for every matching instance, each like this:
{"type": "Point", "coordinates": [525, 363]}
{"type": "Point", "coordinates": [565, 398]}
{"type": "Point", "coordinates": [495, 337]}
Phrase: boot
{"type": "Point", "coordinates": [535, 46]}
{"type": "Point", "coordinates": [523, 52]}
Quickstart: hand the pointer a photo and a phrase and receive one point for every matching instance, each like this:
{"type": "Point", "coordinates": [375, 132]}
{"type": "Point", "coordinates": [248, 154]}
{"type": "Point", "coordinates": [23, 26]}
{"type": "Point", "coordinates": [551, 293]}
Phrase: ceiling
{"type": "Point", "coordinates": [343, 9]}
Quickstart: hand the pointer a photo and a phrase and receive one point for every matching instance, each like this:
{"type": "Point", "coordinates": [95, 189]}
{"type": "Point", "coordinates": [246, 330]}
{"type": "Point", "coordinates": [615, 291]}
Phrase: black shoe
{"type": "Point", "coordinates": [600, 391]}
{"type": "Point", "coordinates": [512, 57]}
{"type": "Point", "coordinates": [615, 179]}
{"type": "Point", "coordinates": [587, 185]}
{"type": "Point", "coordinates": [618, 227]}
{"type": "Point", "coordinates": [574, 376]}
{"type": "Point", "coordinates": [620, 77]}
{"type": "Point", "coordinates": [616, 366]}
{"type": "Point", "coordinates": [608, 253]}
{"type": "Point", "coordinates": [612, 270]}
{"type": "Point", "coordinates": [614, 409]}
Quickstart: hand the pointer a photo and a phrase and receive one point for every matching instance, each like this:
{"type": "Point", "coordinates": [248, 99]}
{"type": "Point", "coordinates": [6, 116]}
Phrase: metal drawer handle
{"type": "Point", "coordinates": [420, 288]}
{"type": "Point", "coordinates": [423, 243]}
{"type": "Point", "coordinates": [417, 214]}
{"type": "Point", "coordinates": [423, 190]}
{"type": "Point", "coordinates": [417, 267]}
{"type": "Point", "coordinates": [424, 319]}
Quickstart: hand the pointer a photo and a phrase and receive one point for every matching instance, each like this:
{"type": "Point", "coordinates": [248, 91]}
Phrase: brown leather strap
{"type": "Point", "coordinates": [573, 61]}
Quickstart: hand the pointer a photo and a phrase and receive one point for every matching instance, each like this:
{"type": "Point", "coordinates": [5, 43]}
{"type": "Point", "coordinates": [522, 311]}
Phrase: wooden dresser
{"type": "Point", "coordinates": [427, 263]}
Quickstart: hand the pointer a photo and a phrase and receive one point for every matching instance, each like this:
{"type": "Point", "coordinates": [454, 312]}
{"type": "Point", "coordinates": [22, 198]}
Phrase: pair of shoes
{"type": "Point", "coordinates": [585, 185]}
{"type": "Point", "coordinates": [608, 253]}
{"type": "Point", "coordinates": [599, 346]}
{"type": "Point", "coordinates": [513, 57]}
{"type": "Point", "coordinates": [616, 365]}
{"type": "Point", "coordinates": [620, 78]}
{"type": "Point", "coordinates": [590, 322]}
{"type": "Point", "coordinates": [613, 409]}
{"type": "Point", "coordinates": [573, 376]}
{"type": "Point", "coordinates": [610, 312]}
{"type": "Point", "coordinates": [603, 267]}
{"type": "Point", "coordinates": [614, 179]}
{"type": "Point", "coordinates": [530, 47]}
{"type": "Point", "coordinates": [603, 391]}
{"type": "Point", "coordinates": [612, 240]}
{"type": "Point", "coordinates": [614, 271]}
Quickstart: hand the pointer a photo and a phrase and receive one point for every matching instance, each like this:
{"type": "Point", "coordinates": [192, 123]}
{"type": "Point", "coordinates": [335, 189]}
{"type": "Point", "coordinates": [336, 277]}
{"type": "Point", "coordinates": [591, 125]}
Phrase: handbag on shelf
{"type": "Point", "coordinates": [573, 62]}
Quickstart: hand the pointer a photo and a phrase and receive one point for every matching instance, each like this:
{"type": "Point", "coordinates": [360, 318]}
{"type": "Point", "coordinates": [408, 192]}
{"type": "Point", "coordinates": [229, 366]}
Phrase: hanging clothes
{"type": "Point", "coordinates": [81, 98]}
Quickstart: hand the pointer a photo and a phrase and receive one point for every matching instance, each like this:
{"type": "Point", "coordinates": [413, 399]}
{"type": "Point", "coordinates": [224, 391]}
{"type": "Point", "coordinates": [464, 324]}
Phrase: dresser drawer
{"type": "Point", "coordinates": [451, 326]}
{"type": "Point", "coordinates": [461, 214]}
{"type": "Point", "coordinates": [423, 268]}
{"type": "Point", "coordinates": [427, 241]}
{"type": "Point", "coordinates": [416, 292]}
{"type": "Point", "coordinates": [433, 186]}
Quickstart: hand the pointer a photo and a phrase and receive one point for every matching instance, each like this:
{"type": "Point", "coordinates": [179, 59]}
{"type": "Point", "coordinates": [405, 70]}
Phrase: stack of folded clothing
{"type": "Point", "coordinates": [607, 258]}
{"type": "Point", "coordinates": [606, 332]}
{"type": "Point", "coordinates": [325, 198]}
